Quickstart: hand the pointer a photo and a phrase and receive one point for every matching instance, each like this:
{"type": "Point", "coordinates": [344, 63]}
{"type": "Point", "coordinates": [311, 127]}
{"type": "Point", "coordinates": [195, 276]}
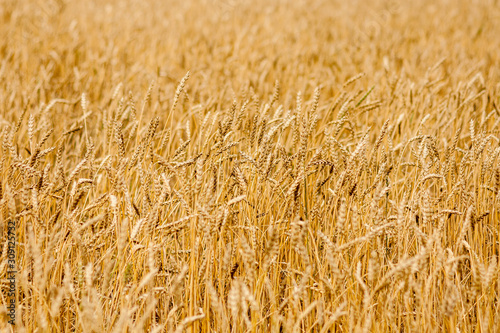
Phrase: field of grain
{"type": "Point", "coordinates": [250, 166]}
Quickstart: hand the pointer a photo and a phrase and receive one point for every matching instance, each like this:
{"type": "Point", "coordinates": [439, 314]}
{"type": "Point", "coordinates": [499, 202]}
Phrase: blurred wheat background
{"type": "Point", "coordinates": [251, 166]}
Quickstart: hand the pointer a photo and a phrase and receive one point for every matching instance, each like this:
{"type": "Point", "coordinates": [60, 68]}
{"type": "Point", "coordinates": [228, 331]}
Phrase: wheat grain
{"type": "Point", "coordinates": [282, 192]}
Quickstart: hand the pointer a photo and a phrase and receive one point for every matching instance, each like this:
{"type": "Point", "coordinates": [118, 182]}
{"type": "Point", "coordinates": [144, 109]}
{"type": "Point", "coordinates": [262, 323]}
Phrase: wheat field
{"type": "Point", "coordinates": [250, 166]}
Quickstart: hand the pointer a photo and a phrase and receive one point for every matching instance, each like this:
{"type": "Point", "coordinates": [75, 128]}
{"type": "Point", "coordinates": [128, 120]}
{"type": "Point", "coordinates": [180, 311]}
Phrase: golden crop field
{"type": "Point", "coordinates": [249, 166]}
